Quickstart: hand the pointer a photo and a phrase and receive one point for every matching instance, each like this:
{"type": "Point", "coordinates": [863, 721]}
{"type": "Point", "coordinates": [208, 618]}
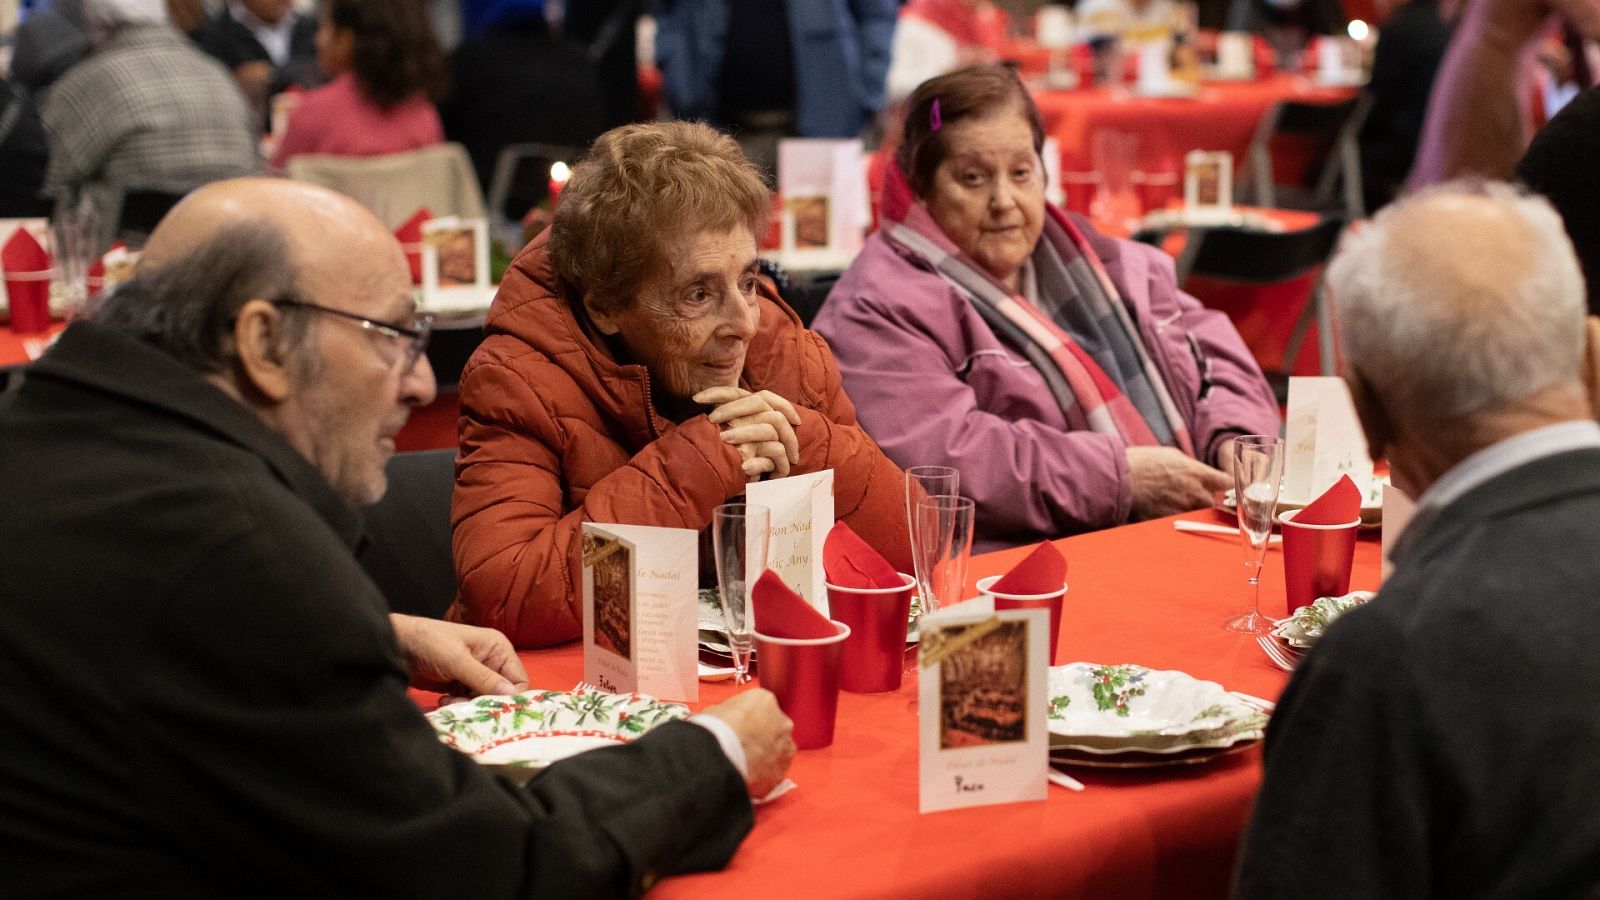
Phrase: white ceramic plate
{"type": "Point", "coordinates": [536, 728]}
{"type": "Point", "coordinates": [1102, 709]}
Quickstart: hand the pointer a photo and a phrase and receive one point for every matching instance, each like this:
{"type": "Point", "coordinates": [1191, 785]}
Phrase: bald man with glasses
{"type": "Point", "coordinates": [203, 694]}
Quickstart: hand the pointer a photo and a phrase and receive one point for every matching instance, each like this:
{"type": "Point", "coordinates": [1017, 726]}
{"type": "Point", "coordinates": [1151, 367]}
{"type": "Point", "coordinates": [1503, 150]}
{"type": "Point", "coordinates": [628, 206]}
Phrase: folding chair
{"type": "Point", "coordinates": [398, 184]}
{"type": "Point", "coordinates": [1256, 257]}
{"type": "Point", "coordinates": [1334, 170]}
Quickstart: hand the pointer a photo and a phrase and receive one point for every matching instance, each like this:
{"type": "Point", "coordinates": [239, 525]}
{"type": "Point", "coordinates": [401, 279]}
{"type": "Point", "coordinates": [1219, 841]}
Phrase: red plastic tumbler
{"type": "Point", "coordinates": [804, 674]}
{"type": "Point", "coordinates": [1050, 601]}
{"type": "Point", "coordinates": [875, 652]}
{"type": "Point", "coordinates": [1316, 559]}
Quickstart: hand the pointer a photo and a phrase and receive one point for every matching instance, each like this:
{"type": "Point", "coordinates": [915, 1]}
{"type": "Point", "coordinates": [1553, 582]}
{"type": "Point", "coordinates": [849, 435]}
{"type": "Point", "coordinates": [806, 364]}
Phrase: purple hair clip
{"type": "Point", "coordinates": [934, 121]}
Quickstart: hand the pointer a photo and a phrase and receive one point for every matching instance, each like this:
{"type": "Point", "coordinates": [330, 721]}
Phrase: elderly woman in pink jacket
{"type": "Point", "coordinates": [1062, 372]}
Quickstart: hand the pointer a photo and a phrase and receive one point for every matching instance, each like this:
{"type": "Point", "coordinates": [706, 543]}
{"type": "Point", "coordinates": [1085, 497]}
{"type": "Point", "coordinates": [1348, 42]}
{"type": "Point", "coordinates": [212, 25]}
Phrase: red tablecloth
{"type": "Point", "coordinates": [1143, 594]}
{"type": "Point", "coordinates": [1222, 117]}
{"type": "Point", "coordinates": [18, 350]}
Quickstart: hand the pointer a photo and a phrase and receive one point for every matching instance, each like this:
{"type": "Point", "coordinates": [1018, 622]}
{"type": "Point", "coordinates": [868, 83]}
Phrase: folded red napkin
{"type": "Point", "coordinates": [1337, 505]}
{"type": "Point", "coordinates": [1043, 572]}
{"type": "Point", "coordinates": [851, 562]}
{"type": "Point", "coordinates": [410, 237]}
{"type": "Point", "coordinates": [95, 281]}
{"type": "Point", "coordinates": [27, 270]}
{"type": "Point", "coordinates": [781, 613]}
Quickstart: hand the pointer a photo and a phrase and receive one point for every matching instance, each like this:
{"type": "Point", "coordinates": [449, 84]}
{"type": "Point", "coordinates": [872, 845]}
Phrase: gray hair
{"type": "Point", "coordinates": [1463, 297]}
{"type": "Point", "coordinates": [187, 307]}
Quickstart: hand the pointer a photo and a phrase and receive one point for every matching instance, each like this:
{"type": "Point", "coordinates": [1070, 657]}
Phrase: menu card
{"type": "Point", "coordinates": [1397, 509]}
{"type": "Point", "coordinates": [981, 706]}
{"type": "Point", "coordinates": [1207, 184]}
{"type": "Point", "coordinates": [455, 263]}
{"type": "Point", "coordinates": [1325, 440]}
{"type": "Point", "coordinates": [802, 516]}
{"type": "Point", "coordinates": [640, 610]}
{"type": "Point", "coordinates": [826, 207]}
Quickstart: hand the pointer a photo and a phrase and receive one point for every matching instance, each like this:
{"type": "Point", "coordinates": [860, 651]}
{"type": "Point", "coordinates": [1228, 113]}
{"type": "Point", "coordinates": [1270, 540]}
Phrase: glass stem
{"type": "Point", "coordinates": [741, 659]}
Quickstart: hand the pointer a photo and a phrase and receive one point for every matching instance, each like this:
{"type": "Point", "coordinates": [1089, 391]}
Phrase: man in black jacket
{"type": "Point", "coordinates": [204, 695]}
{"type": "Point", "coordinates": [1441, 741]}
{"type": "Point", "coordinates": [266, 44]}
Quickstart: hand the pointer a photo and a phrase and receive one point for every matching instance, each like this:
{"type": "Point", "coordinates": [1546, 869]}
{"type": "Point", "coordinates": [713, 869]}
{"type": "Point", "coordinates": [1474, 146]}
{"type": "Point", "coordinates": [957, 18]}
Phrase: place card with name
{"type": "Point", "coordinates": [982, 705]}
{"type": "Point", "coordinates": [1325, 440]}
{"type": "Point", "coordinates": [802, 516]}
{"type": "Point", "coordinates": [640, 606]}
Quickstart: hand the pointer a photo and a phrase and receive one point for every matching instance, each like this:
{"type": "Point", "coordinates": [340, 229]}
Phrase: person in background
{"type": "Point", "coordinates": [145, 112]}
{"type": "Point", "coordinates": [1478, 123]}
{"type": "Point", "coordinates": [24, 155]}
{"type": "Point", "coordinates": [204, 692]}
{"type": "Point", "coordinates": [1060, 371]}
{"type": "Point", "coordinates": [1287, 25]}
{"type": "Point", "coordinates": [1411, 45]}
{"type": "Point", "coordinates": [513, 81]}
{"type": "Point", "coordinates": [46, 44]}
{"type": "Point", "coordinates": [1405, 758]}
{"type": "Point", "coordinates": [938, 36]}
{"type": "Point", "coordinates": [637, 369]}
{"type": "Point", "coordinates": [767, 69]}
{"type": "Point", "coordinates": [267, 45]}
{"type": "Point", "coordinates": [386, 66]}
{"type": "Point", "coordinates": [609, 29]}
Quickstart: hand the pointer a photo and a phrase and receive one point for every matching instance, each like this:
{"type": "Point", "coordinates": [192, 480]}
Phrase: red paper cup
{"type": "Point", "coordinates": [29, 301]}
{"type": "Point", "coordinates": [1050, 601]}
{"type": "Point", "coordinates": [804, 674]}
{"type": "Point", "coordinates": [1081, 188]}
{"type": "Point", "coordinates": [875, 651]}
{"type": "Point", "coordinates": [1316, 559]}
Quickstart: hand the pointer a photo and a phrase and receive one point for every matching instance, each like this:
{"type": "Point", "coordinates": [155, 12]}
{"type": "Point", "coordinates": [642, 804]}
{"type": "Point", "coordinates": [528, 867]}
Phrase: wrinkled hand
{"type": "Point", "coordinates": [760, 425]}
{"type": "Point", "coordinates": [766, 734]}
{"type": "Point", "coordinates": [1166, 481]}
{"type": "Point", "coordinates": [461, 659]}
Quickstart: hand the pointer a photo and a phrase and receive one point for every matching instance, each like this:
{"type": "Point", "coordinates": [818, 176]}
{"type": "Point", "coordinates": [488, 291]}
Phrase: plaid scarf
{"type": "Point", "coordinates": [1080, 337]}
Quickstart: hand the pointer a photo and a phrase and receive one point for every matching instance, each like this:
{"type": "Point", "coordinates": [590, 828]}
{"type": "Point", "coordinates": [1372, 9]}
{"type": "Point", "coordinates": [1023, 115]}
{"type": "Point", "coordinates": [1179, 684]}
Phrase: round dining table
{"type": "Point", "coordinates": [1222, 115]}
{"type": "Point", "coordinates": [1142, 593]}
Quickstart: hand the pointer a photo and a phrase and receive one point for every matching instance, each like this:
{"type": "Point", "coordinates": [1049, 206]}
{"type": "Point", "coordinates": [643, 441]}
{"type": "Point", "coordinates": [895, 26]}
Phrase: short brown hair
{"type": "Point", "coordinates": [636, 188]}
{"type": "Point", "coordinates": [975, 92]}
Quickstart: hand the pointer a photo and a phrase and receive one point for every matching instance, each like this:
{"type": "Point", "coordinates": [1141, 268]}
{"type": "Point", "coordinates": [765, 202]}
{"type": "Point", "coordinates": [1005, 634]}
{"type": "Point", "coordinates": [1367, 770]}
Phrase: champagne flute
{"type": "Point", "coordinates": [944, 531]}
{"type": "Point", "coordinates": [739, 536]}
{"type": "Point", "coordinates": [1257, 477]}
{"type": "Point", "coordinates": [923, 482]}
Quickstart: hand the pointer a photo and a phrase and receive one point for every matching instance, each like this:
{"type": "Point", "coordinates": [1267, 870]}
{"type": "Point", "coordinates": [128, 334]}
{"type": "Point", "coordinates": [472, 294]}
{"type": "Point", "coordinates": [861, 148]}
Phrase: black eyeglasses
{"type": "Point", "coordinates": [416, 335]}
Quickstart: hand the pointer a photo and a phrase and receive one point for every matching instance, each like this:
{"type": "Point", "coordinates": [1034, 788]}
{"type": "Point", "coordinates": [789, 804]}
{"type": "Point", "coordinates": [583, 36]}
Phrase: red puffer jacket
{"type": "Point", "coordinates": [554, 433]}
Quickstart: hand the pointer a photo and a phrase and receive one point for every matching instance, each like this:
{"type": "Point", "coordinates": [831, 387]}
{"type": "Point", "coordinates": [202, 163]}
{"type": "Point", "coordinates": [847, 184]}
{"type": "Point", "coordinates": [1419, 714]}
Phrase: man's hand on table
{"type": "Point", "coordinates": [766, 734]}
{"type": "Point", "coordinates": [761, 425]}
{"type": "Point", "coordinates": [461, 659]}
{"type": "Point", "coordinates": [1166, 480]}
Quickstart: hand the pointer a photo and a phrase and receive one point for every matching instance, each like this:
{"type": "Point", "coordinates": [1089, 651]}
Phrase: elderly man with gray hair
{"type": "Point", "coordinates": [1441, 741]}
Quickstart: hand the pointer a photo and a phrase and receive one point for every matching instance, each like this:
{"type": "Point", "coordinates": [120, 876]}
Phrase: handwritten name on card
{"type": "Point", "coordinates": [982, 707]}
{"type": "Point", "coordinates": [640, 607]}
{"type": "Point", "coordinates": [802, 516]}
{"type": "Point", "coordinates": [1324, 441]}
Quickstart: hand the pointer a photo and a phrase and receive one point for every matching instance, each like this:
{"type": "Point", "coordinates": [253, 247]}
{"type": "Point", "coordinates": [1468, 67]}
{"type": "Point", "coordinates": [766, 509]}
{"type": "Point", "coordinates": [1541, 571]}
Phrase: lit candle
{"type": "Point", "coordinates": [559, 173]}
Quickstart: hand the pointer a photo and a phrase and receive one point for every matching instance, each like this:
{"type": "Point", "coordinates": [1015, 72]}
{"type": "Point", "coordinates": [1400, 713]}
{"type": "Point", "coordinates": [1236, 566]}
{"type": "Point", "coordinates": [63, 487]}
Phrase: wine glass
{"type": "Point", "coordinates": [944, 536]}
{"type": "Point", "coordinates": [739, 535]}
{"type": "Point", "coordinates": [923, 482]}
{"type": "Point", "coordinates": [1257, 476]}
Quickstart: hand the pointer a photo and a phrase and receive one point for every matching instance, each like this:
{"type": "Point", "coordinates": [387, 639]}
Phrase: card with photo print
{"type": "Point", "coordinates": [640, 607]}
{"type": "Point", "coordinates": [981, 706]}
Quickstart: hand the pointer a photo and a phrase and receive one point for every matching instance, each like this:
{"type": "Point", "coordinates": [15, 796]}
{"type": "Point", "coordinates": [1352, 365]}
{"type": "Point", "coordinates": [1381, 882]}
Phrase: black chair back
{"type": "Point", "coordinates": [1264, 257]}
{"type": "Point", "coordinates": [408, 548]}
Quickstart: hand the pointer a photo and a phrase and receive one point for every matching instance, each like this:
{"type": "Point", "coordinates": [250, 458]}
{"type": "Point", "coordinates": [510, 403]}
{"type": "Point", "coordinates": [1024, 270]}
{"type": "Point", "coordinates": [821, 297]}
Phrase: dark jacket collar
{"type": "Point", "coordinates": [1533, 484]}
{"type": "Point", "coordinates": [113, 362]}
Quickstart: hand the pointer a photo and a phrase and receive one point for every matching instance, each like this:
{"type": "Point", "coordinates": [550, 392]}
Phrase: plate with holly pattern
{"type": "Point", "coordinates": [535, 728]}
{"type": "Point", "coordinates": [1127, 708]}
